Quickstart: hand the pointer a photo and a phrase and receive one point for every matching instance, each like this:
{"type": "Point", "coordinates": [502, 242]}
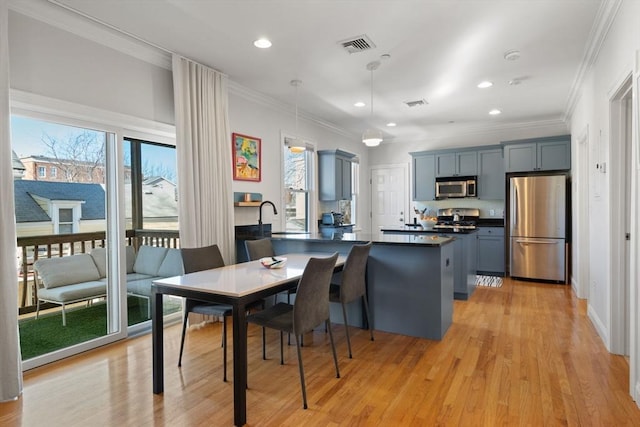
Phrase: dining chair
{"type": "Point", "coordinates": [262, 248]}
{"type": "Point", "coordinates": [206, 258]}
{"type": "Point", "coordinates": [310, 309]}
{"type": "Point", "coordinates": [353, 285]}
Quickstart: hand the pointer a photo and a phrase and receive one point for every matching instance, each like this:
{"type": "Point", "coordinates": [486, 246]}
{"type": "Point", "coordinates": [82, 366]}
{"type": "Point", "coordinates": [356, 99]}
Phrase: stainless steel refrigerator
{"type": "Point", "coordinates": [538, 227]}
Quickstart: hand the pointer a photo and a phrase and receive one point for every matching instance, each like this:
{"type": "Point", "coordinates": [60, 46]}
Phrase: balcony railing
{"type": "Point", "coordinates": [32, 248]}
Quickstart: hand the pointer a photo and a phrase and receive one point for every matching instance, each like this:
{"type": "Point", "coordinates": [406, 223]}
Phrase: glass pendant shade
{"type": "Point", "coordinates": [372, 137]}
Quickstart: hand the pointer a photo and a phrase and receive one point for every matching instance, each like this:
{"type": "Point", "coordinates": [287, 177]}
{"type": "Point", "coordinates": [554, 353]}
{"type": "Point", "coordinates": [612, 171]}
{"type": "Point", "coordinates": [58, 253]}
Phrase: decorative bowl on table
{"type": "Point", "coordinates": [272, 262]}
{"type": "Point", "coordinates": [428, 224]}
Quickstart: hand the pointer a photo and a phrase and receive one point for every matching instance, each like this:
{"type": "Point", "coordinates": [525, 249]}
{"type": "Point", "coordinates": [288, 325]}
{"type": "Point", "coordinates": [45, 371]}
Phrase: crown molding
{"type": "Point", "coordinates": [601, 26]}
{"type": "Point", "coordinates": [62, 17]}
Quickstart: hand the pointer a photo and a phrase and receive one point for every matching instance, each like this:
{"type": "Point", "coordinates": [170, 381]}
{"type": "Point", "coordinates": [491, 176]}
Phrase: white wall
{"type": "Point", "coordinates": [48, 61]}
{"type": "Point", "coordinates": [615, 61]}
{"type": "Point", "coordinates": [269, 121]}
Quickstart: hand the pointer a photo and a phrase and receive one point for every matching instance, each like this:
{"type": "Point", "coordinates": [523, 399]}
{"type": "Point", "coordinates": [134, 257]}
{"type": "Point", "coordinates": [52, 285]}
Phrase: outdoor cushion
{"type": "Point", "coordinates": [62, 271]}
{"type": "Point", "coordinates": [76, 292]}
{"type": "Point", "coordinates": [99, 256]}
{"type": "Point", "coordinates": [149, 259]}
{"type": "Point", "coordinates": [137, 276]}
{"type": "Point", "coordinates": [141, 287]}
{"type": "Point", "coordinates": [172, 264]}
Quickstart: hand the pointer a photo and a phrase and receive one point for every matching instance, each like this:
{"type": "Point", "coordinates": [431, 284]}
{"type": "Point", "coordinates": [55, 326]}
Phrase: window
{"type": "Point", "coordinates": [151, 200]}
{"type": "Point", "coordinates": [65, 221]}
{"type": "Point", "coordinates": [42, 172]}
{"type": "Point", "coordinates": [297, 178]}
{"type": "Point", "coordinates": [53, 171]}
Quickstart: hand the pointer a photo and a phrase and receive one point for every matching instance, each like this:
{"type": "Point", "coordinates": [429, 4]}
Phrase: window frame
{"type": "Point", "coordinates": [311, 179]}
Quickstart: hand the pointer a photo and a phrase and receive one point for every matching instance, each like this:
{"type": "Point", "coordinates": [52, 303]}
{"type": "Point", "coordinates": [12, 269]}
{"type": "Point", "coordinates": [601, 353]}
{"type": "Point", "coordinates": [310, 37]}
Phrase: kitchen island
{"type": "Point", "coordinates": [409, 279]}
{"type": "Point", "coordinates": [465, 254]}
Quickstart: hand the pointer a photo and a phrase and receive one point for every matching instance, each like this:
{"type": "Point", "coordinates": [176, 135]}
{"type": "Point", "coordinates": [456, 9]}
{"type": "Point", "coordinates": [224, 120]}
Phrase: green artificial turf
{"type": "Point", "coordinates": [46, 334]}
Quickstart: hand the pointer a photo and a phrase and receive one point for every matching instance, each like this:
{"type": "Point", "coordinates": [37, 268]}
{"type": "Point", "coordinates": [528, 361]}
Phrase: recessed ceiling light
{"type": "Point", "coordinates": [391, 124]}
{"type": "Point", "coordinates": [495, 112]}
{"type": "Point", "coordinates": [485, 84]}
{"type": "Point", "coordinates": [262, 43]}
{"type": "Point", "coordinates": [359, 104]}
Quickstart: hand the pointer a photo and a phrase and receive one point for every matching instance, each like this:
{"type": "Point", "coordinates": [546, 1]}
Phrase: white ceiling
{"type": "Point", "coordinates": [440, 50]}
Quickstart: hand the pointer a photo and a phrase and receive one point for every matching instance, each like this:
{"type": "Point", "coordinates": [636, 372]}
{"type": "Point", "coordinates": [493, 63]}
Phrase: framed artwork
{"type": "Point", "coordinates": [246, 157]}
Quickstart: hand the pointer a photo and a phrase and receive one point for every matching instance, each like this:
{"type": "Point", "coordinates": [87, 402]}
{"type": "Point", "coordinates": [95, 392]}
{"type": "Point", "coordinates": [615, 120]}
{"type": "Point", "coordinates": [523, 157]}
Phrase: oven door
{"type": "Point", "coordinates": [446, 189]}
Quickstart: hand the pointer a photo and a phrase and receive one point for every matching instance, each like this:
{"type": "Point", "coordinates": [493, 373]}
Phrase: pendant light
{"type": "Point", "coordinates": [296, 145]}
{"type": "Point", "coordinates": [372, 137]}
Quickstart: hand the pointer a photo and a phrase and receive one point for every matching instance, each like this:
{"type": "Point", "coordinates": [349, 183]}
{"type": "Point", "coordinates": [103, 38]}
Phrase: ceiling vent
{"type": "Point", "coordinates": [357, 44]}
{"type": "Point", "coordinates": [417, 103]}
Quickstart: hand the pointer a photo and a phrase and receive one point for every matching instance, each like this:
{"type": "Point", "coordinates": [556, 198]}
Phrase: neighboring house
{"type": "Point", "coordinates": [44, 208]}
{"type": "Point", "coordinates": [17, 166]}
{"type": "Point", "coordinates": [159, 203]}
{"type": "Point", "coordinates": [42, 168]}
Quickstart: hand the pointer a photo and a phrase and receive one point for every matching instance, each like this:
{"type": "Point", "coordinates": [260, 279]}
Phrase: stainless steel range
{"type": "Point", "coordinates": [452, 219]}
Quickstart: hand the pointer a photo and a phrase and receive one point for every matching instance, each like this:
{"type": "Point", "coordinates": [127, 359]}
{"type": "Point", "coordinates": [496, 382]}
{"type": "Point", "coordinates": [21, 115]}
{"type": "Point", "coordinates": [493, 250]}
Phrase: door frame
{"type": "Point", "coordinates": [581, 244]}
{"type": "Point", "coordinates": [620, 307]}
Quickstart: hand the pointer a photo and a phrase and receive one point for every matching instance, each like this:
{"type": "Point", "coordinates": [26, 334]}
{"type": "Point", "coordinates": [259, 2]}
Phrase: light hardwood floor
{"type": "Point", "coordinates": [522, 354]}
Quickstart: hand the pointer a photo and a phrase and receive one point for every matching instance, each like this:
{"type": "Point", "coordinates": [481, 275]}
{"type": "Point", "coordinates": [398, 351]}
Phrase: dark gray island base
{"type": "Point", "coordinates": [409, 279]}
{"type": "Point", "coordinates": [464, 257]}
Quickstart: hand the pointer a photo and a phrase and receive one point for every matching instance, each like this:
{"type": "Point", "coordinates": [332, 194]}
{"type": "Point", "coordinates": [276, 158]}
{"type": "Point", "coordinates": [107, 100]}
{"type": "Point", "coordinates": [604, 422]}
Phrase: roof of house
{"type": "Point", "coordinates": [28, 210]}
{"type": "Point", "coordinates": [15, 161]}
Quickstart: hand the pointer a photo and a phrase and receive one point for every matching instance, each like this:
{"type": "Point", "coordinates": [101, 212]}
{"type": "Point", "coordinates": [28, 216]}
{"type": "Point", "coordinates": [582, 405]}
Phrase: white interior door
{"type": "Point", "coordinates": [389, 203]}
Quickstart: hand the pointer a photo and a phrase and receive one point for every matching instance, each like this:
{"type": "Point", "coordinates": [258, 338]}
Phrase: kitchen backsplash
{"type": "Point", "coordinates": [488, 208]}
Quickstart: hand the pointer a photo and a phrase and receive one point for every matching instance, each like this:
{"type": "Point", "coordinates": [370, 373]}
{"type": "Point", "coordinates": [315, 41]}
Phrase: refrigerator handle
{"type": "Point", "coordinates": [514, 208]}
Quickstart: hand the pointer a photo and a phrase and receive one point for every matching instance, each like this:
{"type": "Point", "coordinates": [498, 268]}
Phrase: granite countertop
{"type": "Point", "coordinates": [380, 238]}
{"type": "Point", "coordinates": [408, 229]}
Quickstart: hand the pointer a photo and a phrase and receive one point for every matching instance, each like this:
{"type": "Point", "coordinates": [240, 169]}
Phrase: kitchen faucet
{"type": "Point", "coordinates": [266, 202]}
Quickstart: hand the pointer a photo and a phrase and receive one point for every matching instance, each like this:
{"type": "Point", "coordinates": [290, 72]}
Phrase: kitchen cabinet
{"type": "Point", "coordinates": [334, 174]}
{"type": "Point", "coordinates": [465, 268]}
{"type": "Point", "coordinates": [462, 163]}
{"type": "Point", "coordinates": [491, 180]}
{"type": "Point", "coordinates": [491, 250]}
{"type": "Point", "coordinates": [540, 154]}
{"type": "Point", "coordinates": [424, 177]}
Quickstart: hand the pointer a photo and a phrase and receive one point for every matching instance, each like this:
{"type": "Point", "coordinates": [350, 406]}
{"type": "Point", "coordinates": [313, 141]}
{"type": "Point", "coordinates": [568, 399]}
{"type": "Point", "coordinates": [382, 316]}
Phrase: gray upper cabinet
{"type": "Point", "coordinates": [424, 177]}
{"type": "Point", "coordinates": [540, 154]}
{"type": "Point", "coordinates": [334, 174]}
{"type": "Point", "coordinates": [491, 183]}
{"type": "Point", "coordinates": [457, 163]}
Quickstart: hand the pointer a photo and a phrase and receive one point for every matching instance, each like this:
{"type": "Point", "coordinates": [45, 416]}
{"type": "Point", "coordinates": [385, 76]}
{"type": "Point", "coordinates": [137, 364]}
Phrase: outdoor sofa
{"type": "Point", "coordinates": [82, 277]}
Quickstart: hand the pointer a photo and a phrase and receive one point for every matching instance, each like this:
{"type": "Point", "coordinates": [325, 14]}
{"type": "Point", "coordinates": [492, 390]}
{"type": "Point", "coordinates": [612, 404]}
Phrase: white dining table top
{"type": "Point", "coordinates": [242, 279]}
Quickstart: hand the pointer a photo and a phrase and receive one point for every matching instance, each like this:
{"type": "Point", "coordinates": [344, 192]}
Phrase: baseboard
{"type": "Point", "coordinates": [574, 287]}
{"type": "Point", "coordinates": [636, 396]}
{"type": "Point", "coordinates": [600, 328]}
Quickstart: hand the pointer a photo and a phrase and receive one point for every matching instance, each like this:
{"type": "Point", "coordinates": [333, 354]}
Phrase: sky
{"type": "Point", "coordinates": [27, 133]}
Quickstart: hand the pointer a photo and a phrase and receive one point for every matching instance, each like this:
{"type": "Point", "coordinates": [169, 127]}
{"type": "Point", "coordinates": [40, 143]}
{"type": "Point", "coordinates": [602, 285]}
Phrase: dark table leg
{"type": "Point", "coordinates": [157, 341]}
{"type": "Point", "coordinates": [239, 365]}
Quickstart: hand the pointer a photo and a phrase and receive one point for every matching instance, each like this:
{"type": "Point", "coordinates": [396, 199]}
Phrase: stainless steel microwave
{"type": "Point", "coordinates": [456, 187]}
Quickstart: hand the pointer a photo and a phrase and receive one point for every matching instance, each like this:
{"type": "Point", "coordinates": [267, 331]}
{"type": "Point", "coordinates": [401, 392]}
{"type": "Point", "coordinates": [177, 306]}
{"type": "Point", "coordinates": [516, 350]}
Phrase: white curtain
{"type": "Point", "coordinates": [203, 143]}
{"type": "Point", "coordinates": [10, 359]}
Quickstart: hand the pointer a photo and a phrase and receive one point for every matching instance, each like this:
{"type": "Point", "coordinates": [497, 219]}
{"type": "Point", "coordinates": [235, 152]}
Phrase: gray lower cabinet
{"type": "Point", "coordinates": [491, 251]}
{"type": "Point", "coordinates": [424, 177]}
{"type": "Point", "coordinates": [540, 154]}
{"type": "Point", "coordinates": [465, 265]}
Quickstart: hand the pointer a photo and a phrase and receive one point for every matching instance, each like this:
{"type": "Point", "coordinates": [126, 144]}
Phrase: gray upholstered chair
{"type": "Point", "coordinates": [262, 248]}
{"type": "Point", "coordinates": [353, 285]}
{"type": "Point", "coordinates": [206, 258]}
{"type": "Point", "coordinates": [310, 309]}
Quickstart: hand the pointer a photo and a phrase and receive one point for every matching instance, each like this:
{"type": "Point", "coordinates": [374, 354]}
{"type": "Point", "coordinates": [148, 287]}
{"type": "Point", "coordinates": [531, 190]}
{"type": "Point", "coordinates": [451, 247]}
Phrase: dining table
{"type": "Point", "coordinates": [238, 285]}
